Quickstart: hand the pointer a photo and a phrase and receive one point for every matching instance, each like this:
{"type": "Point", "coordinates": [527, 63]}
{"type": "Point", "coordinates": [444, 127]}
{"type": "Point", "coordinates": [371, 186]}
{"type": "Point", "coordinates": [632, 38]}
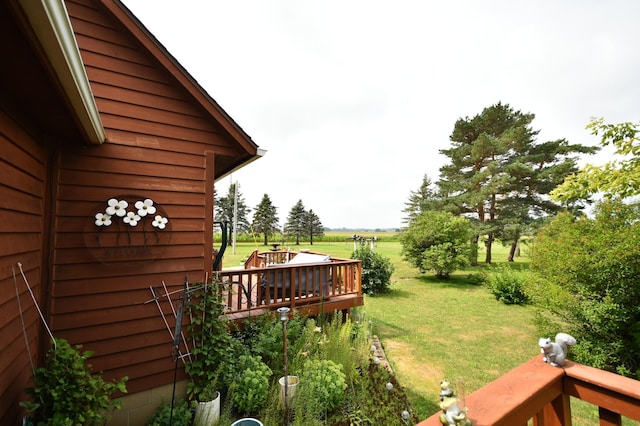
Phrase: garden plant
{"type": "Point", "coordinates": [67, 391]}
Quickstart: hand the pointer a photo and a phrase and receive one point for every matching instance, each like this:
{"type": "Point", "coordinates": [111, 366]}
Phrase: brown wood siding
{"type": "Point", "coordinates": [22, 200]}
{"type": "Point", "coordinates": [157, 144]}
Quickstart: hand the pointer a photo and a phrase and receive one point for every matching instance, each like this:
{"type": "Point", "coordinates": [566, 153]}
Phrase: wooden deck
{"type": "Point", "coordinates": [267, 282]}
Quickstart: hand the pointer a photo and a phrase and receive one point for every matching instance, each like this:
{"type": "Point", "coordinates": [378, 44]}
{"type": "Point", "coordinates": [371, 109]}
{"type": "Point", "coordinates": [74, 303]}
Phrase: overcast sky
{"type": "Point", "coordinates": [352, 100]}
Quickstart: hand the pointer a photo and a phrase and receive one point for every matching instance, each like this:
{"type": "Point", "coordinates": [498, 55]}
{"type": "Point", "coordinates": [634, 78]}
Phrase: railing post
{"type": "Point", "coordinates": [609, 418]}
{"type": "Point", "coordinates": [557, 412]}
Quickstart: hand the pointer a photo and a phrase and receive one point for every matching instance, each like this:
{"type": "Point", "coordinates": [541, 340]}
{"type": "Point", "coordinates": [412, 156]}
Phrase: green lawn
{"type": "Point", "coordinates": [433, 329]}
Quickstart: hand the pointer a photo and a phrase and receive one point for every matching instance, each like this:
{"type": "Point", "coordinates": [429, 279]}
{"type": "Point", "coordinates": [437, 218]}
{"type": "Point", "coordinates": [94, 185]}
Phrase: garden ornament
{"type": "Point", "coordinates": [452, 414]}
{"type": "Point", "coordinates": [555, 353]}
{"type": "Point", "coordinates": [445, 390]}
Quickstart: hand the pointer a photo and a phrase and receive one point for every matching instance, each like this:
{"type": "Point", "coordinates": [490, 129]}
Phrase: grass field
{"type": "Point", "coordinates": [433, 329]}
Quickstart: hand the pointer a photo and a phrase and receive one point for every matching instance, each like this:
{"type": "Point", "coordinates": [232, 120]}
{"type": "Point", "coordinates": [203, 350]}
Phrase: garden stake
{"type": "Point", "coordinates": [284, 316]}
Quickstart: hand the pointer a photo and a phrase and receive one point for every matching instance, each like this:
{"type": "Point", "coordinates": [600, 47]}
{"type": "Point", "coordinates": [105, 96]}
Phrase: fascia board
{"type": "Point", "coordinates": [50, 22]}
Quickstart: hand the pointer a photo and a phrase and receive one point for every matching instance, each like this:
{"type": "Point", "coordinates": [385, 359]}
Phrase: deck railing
{"type": "Point", "coordinates": [540, 393]}
{"type": "Point", "coordinates": [267, 282]}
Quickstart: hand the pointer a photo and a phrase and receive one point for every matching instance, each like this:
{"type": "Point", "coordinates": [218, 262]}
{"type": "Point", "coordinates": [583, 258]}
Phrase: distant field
{"type": "Point", "coordinates": [337, 244]}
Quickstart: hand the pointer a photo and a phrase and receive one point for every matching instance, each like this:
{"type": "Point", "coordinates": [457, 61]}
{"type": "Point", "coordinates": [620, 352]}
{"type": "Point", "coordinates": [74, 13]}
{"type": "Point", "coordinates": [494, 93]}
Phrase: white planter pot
{"type": "Point", "coordinates": [207, 413]}
{"type": "Point", "coordinates": [292, 383]}
{"type": "Point", "coordinates": [247, 422]}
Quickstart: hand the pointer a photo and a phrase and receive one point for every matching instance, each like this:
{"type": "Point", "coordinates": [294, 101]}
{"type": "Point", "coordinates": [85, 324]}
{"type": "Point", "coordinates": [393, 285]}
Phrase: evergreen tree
{"type": "Point", "coordinates": [498, 176]}
{"type": "Point", "coordinates": [265, 219]}
{"type": "Point", "coordinates": [536, 172]}
{"type": "Point", "coordinates": [295, 225]}
{"type": "Point", "coordinates": [425, 198]}
{"type": "Point", "coordinates": [224, 210]}
{"type": "Point", "coordinates": [313, 225]}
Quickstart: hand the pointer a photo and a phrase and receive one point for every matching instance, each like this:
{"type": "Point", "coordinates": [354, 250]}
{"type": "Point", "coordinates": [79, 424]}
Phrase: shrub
{"type": "Point", "coordinates": [262, 336]}
{"type": "Point", "coordinates": [66, 392]}
{"type": "Point", "coordinates": [376, 270]}
{"type": "Point", "coordinates": [508, 285]}
{"type": "Point", "coordinates": [595, 267]}
{"type": "Point", "coordinates": [437, 241]}
{"type": "Point", "coordinates": [322, 386]}
{"type": "Point", "coordinates": [250, 390]}
{"type": "Point", "coordinates": [181, 416]}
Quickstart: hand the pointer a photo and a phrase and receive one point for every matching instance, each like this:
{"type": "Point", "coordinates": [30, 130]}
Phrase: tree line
{"type": "Point", "coordinates": [300, 223]}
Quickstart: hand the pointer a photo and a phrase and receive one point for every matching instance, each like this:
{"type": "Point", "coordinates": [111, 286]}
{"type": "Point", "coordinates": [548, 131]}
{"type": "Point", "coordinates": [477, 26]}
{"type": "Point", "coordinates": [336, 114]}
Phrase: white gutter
{"type": "Point", "coordinates": [50, 22]}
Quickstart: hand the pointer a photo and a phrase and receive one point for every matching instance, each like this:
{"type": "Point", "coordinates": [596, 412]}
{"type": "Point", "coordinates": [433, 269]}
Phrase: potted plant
{"type": "Point", "coordinates": [66, 391]}
{"type": "Point", "coordinates": [208, 329]}
{"type": "Point", "coordinates": [207, 410]}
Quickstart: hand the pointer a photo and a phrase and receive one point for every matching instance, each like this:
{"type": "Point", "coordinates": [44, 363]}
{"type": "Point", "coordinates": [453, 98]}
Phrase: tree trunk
{"type": "Point", "coordinates": [488, 245]}
{"type": "Point", "coordinates": [515, 247]}
{"type": "Point", "coordinates": [266, 239]}
{"type": "Point", "coordinates": [473, 252]}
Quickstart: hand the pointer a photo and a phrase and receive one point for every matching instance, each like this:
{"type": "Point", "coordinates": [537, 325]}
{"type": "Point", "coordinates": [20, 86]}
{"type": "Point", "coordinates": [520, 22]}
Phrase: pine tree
{"type": "Point", "coordinates": [499, 176]}
{"type": "Point", "coordinates": [265, 219]}
{"type": "Point", "coordinates": [425, 198]}
{"type": "Point", "coordinates": [225, 207]}
{"type": "Point", "coordinates": [294, 227]}
{"type": "Point", "coordinates": [313, 225]}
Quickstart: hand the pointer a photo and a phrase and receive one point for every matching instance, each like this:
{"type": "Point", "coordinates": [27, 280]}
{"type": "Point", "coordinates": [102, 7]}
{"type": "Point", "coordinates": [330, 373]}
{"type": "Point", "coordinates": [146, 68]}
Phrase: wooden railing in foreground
{"type": "Point", "coordinates": [267, 283]}
{"type": "Point", "coordinates": [539, 392]}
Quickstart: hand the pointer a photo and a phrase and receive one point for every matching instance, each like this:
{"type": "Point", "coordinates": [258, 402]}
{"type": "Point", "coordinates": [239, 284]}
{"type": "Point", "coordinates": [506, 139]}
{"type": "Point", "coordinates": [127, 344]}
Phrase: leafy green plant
{"type": "Point", "coordinates": [595, 266]}
{"type": "Point", "coordinates": [182, 415]}
{"type": "Point", "coordinates": [376, 270]}
{"type": "Point", "coordinates": [67, 392]}
{"type": "Point", "coordinates": [347, 344]}
{"type": "Point", "coordinates": [250, 390]}
{"type": "Point", "coordinates": [322, 386]}
{"type": "Point", "coordinates": [508, 285]}
{"type": "Point", "coordinates": [262, 336]}
{"type": "Point", "coordinates": [437, 241]}
{"type": "Point", "coordinates": [209, 329]}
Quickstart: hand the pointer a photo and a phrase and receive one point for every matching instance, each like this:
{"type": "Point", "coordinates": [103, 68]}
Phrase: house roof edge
{"type": "Point", "coordinates": [50, 23]}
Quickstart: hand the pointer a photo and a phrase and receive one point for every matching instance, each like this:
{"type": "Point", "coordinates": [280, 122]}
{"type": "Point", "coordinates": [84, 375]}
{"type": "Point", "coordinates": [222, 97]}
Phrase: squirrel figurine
{"type": "Point", "coordinates": [452, 414]}
{"type": "Point", "coordinates": [555, 353]}
{"type": "Point", "coordinates": [445, 390]}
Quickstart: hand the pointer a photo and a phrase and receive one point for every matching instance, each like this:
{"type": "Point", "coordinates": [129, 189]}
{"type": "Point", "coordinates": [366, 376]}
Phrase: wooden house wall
{"type": "Point", "coordinates": [22, 204]}
{"type": "Point", "coordinates": [160, 145]}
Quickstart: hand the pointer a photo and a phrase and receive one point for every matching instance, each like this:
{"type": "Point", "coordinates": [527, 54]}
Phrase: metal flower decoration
{"type": "Point", "coordinates": [103, 219]}
{"type": "Point", "coordinates": [118, 208]}
{"type": "Point", "coordinates": [160, 222]}
{"type": "Point", "coordinates": [145, 207]}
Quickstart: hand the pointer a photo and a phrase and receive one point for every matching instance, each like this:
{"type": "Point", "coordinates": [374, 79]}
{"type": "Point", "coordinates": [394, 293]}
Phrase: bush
{"type": "Point", "coordinates": [376, 270]}
{"type": "Point", "coordinates": [250, 390]}
{"type": "Point", "coordinates": [322, 386]}
{"type": "Point", "coordinates": [262, 335]}
{"type": "Point", "coordinates": [66, 392]}
{"type": "Point", "coordinates": [594, 265]}
{"type": "Point", "coordinates": [437, 241]}
{"type": "Point", "coordinates": [181, 416]}
{"type": "Point", "coordinates": [508, 285]}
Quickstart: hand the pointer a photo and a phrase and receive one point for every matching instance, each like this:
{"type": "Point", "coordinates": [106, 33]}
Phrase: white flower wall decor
{"type": "Point", "coordinates": [118, 209]}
